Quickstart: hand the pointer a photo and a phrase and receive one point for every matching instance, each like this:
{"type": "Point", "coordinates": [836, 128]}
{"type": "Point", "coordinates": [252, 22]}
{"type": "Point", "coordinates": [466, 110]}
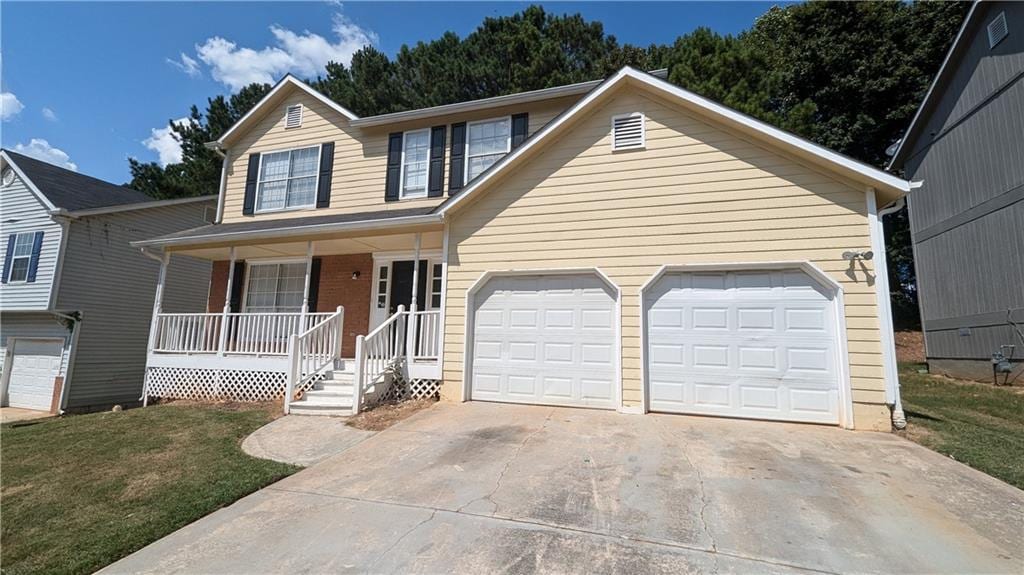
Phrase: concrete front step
{"type": "Point", "coordinates": [340, 388]}
{"type": "Point", "coordinates": [342, 376]}
{"type": "Point", "coordinates": [303, 408]}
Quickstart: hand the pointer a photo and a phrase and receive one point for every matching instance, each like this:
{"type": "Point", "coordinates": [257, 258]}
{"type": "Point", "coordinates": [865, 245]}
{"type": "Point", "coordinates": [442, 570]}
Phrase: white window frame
{"type": "Point", "coordinates": [508, 144]}
{"type": "Point", "coordinates": [286, 208]}
{"type": "Point", "coordinates": [402, 195]}
{"type": "Point", "coordinates": [431, 278]}
{"type": "Point", "coordinates": [28, 269]}
{"type": "Point", "coordinates": [248, 276]}
{"type": "Point", "coordinates": [643, 131]}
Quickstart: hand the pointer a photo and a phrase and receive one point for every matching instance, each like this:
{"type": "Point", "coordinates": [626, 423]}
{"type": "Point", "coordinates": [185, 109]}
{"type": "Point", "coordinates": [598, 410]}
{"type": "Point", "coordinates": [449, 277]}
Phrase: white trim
{"type": "Point", "coordinates": [244, 304]}
{"type": "Point", "coordinates": [260, 182]}
{"type": "Point", "coordinates": [722, 113]}
{"type": "Point", "coordinates": [28, 183]}
{"type": "Point", "coordinates": [72, 355]}
{"type": "Point", "coordinates": [58, 272]}
{"type": "Point", "coordinates": [225, 157]}
{"type": "Point", "coordinates": [444, 303]}
{"type": "Point", "coordinates": [816, 273]}
{"type": "Point", "coordinates": [401, 171]}
{"type": "Point", "coordinates": [883, 301]}
{"type": "Point", "coordinates": [386, 258]}
{"type": "Point", "coordinates": [643, 131]}
{"type": "Point", "coordinates": [288, 80]}
{"type": "Point", "coordinates": [135, 206]}
{"type": "Point", "coordinates": [508, 144]}
{"type": "Point", "coordinates": [14, 257]}
{"type": "Point", "coordinates": [467, 342]}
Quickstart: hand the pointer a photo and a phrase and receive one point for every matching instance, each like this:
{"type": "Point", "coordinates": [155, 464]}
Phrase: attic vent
{"type": "Point", "coordinates": [293, 117]}
{"type": "Point", "coordinates": [997, 30]}
{"type": "Point", "coordinates": [628, 131]}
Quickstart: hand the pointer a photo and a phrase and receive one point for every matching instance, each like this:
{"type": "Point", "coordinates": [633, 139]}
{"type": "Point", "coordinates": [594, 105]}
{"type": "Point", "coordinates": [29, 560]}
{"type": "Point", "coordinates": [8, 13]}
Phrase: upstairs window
{"type": "Point", "coordinates": [21, 257]}
{"type": "Point", "coordinates": [288, 179]}
{"type": "Point", "coordinates": [486, 143]}
{"type": "Point", "coordinates": [415, 164]}
{"type": "Point", "coordinates": [275, 287]}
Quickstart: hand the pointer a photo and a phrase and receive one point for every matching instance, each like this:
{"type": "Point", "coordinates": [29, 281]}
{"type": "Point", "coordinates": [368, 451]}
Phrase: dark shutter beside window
{"type": "Point", "coordinates": [520, 127]}
{"type": "Point", "coordinates": [237, 287]}
{"type": "Point", "coordinates": [314, 284]}
{"type": "Point", "coordinates": [435, 187]}
{"type": "Point", "coordinates": [458, 161]}
{"type": "Point", "coordinates": [323, 190]}
{"type": "Point", "coordinates": [10, 254]}
{"type": "Point", "coordinates": [251, 177]}
{"type": "Point", "coordinates": [33, 264]}
{"type": "Point", "coordinates": [394, 172]}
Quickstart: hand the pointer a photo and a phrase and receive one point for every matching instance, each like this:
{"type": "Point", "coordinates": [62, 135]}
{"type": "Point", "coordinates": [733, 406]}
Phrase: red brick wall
{"type": "Point", "coordinates": [336, 288]}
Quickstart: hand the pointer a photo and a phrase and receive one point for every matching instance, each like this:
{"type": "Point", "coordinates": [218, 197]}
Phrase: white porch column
{"type": "Point", "coordinates": [305, 288]}
{"type": "Point", "coordinates": [225, 317]}
{"type": "Point", "coordinates": [412, 326]}
{"type": "Point", "coordinates": [158, 298]}
{"type": "Point", "coordinates": [415, 273]}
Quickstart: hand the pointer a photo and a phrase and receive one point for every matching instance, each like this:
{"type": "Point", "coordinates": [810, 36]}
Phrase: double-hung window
{"type": "Point", "coordinates": [415, 163]}
{"type": "Point", "coordinates": [276, 287]}
{"type": "Point", "coordinates": [486, 143]}
{"type": "Point", "coordinates": [21, 257]}
{"type": "Point", "coordinates": [288, 179]}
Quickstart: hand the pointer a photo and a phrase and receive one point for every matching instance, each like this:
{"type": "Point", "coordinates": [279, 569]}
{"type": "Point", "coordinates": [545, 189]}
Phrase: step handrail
{"type": "Point", "coordinates": [376, 353]}
{"type": "Point", "coordinates": [313, 352]}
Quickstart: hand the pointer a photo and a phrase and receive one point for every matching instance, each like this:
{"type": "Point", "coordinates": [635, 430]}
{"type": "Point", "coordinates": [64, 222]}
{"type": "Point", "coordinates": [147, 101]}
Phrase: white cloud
{"type": "Point", "coordinates": [40, 149]}
{"type": "Point", "coordinates": [49, 114]}
{"type": "Point", "coordinates": [165, 143]}
{"type": "Point", "coordinates": [304, 54]}
{"type": "Point", "coordinates": [10, 106]}
{"type": "Point", "coordinates": [187, 65]}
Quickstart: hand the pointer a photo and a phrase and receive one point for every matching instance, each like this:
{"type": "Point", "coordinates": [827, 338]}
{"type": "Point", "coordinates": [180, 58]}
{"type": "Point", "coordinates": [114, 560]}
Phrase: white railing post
{"type": "Point", "coordinates": [293, 370]}
{"type": "Point", "coordinates": [222, 341]}
{"type": "Point", "coordinates": [357, 379]}
{"type": "Point", "coordinates": [340, 332]}
{"type": "Point", "coordinates": [403, 332]}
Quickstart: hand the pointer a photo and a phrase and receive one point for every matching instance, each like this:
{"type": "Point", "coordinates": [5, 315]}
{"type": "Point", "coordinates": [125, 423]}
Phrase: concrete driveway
{"type": "Point", "coordinates": [483, 488]}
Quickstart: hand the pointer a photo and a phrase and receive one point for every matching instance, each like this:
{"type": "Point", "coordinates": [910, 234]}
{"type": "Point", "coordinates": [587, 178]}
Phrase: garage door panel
{"type": "Point", "coordinates": [34, 366]}
{"type": "Point", "coordinates": [759, 344]}
{"type": "Point", "coordinates": [549, 340]}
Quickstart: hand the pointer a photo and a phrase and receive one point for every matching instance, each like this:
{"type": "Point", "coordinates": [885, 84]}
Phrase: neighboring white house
{"type": "Point", "coordinates": [75, 297]}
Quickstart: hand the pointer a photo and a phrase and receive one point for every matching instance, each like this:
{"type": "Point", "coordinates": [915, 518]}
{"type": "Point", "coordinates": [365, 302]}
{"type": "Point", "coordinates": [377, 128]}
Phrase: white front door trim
{"type": "Point", "coordinates": [816, 273]}
{"type": "Point", "coordinates": [467, 343]}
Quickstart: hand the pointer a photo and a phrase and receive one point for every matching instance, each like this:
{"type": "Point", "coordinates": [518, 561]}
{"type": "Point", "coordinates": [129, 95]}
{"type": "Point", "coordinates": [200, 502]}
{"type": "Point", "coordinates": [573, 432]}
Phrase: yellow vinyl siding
{"type": "Point", "coordinates": [360, 156]}
{"type": "Point", "coordinates": [696, 194]}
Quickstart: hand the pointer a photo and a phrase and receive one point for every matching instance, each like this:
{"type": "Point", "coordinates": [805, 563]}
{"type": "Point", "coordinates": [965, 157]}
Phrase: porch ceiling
{"type": "Point", "coordinates": [431, 240]}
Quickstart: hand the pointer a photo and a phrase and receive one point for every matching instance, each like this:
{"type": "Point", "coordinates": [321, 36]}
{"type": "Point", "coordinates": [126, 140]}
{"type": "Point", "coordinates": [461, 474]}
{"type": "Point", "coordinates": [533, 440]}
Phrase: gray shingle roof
{"type": "Point", "coordinates": [73, 191]}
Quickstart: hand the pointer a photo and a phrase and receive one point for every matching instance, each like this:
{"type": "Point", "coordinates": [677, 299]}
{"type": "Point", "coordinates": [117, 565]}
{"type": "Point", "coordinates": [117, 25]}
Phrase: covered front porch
{"type": "Point", "coordinates": [332, 321]}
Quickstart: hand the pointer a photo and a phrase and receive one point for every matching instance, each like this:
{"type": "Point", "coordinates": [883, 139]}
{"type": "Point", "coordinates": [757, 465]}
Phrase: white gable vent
{"type": "Point", "coordinates": [293, 116]}
{"type": "Point", "coordinates": [628, 131]}
{"type": "Point", "coordinates": [997, 30]}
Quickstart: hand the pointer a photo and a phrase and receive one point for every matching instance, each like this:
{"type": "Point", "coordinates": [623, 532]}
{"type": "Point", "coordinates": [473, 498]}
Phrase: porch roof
{"type": "Point", "coordinates": [295, 227]}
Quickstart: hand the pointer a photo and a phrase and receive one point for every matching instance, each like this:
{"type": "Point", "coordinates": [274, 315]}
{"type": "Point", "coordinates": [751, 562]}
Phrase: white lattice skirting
{"type": "Point", "coordinates": [206, 383]}
{"type": "Point", "coordinates": [403, 389]}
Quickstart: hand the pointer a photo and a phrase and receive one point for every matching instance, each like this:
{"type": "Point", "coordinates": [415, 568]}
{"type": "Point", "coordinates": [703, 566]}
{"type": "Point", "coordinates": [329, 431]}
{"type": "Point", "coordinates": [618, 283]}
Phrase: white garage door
{"type": "Point", "coordinates": [34, 365]}
{"type": "Point", "coordinates": [743, 344]}
{"type": "Point", "coordinates": [545, 339]}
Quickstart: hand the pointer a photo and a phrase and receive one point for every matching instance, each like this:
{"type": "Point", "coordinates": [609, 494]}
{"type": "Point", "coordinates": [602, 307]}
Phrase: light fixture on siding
{"type": "Point", "coordinates": [850, 256]}
{"type": "Point", "coordinates": [356, 274]}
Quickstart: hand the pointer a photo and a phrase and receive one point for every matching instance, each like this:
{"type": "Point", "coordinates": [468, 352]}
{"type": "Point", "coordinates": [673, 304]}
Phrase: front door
{"type": "Point", "coordinates": [401, 285]}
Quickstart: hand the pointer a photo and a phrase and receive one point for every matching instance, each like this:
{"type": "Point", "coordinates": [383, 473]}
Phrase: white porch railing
{"type": "Point", "coordinates": [380, 350]}
{"type": "Point", "coordinates": [427, 330]}
{"type": "Point", "coordinates": [246, 333]}
{"type": "Point", "coordinates": [312, 352]}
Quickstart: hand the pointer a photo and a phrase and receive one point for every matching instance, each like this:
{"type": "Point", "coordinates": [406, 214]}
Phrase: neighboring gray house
{"type": "Point", "coordinates": [76, 300]}
{"type": "Point", "coordinates": [966, 146]}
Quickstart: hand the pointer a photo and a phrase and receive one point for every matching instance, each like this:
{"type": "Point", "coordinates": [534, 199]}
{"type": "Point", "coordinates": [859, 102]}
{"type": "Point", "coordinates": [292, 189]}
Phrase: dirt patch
{"type": "Point", "coordinates": [272, 408]}
{"type": "Point", "coordinates": [910, 346]}
{"type": "Point", "coordinates": [385, 415]}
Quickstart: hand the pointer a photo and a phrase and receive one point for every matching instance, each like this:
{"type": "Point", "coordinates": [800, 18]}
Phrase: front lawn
{"type": "Point", "coordinates": [80, 492]}
{"type": "Point", "coordinates": [975, 423]}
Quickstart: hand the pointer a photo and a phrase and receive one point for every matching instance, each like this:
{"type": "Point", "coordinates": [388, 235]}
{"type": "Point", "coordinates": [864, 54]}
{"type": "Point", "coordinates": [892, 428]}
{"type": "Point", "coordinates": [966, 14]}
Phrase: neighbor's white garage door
{"type": "Point", "coordinates": [545, 339]}
{"type": "Point", "coordinates": [743, 344]}
{"type": "Point", "coordinates": [34, 365]}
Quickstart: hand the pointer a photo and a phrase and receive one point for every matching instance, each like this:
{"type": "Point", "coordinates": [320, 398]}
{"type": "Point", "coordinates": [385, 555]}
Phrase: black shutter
{"type": "Point", "coordinates": [251, 177]}
{"type": "Point", "coordinates": [458, 161]}
{"type": "Point", "coordinates": [237, 285]}
{"type": "Point", "coordinates": [10, 253]}
{"type": "Point", "coordinates": [435, 187]}
{"type": "Point", "coordinates": [33, 264]}
{"type": "Point", "coordinates": [520, 126]}
{"type": "Point", "coordinates": [323, 190]}
{"type": "Point", "coordinates": [394, 172]}
{"type": "Point", "coordinates": [314, 285]}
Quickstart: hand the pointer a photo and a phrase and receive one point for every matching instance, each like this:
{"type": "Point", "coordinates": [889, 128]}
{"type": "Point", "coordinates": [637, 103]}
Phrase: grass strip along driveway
{"type": "Point", "coordinates": [978, 424]}
{"type": "Point", "coordinates": [81, 492]}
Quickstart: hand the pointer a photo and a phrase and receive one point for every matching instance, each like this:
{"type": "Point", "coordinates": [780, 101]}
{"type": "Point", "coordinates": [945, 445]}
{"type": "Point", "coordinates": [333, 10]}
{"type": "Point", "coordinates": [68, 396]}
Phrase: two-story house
{"type": "Point", "coordinates": [75, 296]}
{"type": "Point", "coordinates": [621, 244]}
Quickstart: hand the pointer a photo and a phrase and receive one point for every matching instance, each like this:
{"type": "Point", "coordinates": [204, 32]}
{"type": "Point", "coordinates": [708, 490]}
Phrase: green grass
{"type": "Point", "coordinates": [975, 423]}
{"type": "Point", "coordinates": [80, 492]}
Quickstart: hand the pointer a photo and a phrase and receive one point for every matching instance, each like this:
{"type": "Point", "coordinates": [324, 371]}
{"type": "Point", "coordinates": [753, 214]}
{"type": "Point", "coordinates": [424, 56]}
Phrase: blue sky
{"type": "Point", "coordinates": [87, 83]}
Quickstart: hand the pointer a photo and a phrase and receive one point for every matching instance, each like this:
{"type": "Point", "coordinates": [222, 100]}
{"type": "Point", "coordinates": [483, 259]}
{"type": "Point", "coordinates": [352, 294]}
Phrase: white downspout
{"type": "Point", "coordinates": [75, 330]}
{"type": "Point", "coordinates": [899, 420]}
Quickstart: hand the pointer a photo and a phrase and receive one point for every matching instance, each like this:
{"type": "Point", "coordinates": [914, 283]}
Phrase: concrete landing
{"type": "Point", "coordinates": [303, 440]}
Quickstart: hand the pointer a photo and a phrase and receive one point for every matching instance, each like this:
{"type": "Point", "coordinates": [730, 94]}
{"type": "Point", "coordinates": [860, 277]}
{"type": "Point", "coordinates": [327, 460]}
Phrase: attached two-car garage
{"type": "Point", "coordinates": [749, 343]}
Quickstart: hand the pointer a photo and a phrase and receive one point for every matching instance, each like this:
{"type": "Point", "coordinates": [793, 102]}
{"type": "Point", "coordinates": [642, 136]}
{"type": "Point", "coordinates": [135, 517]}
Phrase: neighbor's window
{"type": "Point", "coordinates": [487, 142]}
{"type": "Point", "coordinates": [275, 287]}
{"type": "Point", "coordinates": [21, 257]}
{"type": "Point", "coordinates": [415, 159]}
{"type": "Point", "coordinates": [288, 179]}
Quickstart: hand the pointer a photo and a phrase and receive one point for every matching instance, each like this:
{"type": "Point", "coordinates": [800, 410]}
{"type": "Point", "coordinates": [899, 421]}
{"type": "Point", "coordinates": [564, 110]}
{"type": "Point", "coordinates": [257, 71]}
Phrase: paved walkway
{"type": "Point", "coordinates": [9, 414]}
{"type": "Point", "coordinates": [486, 488]}
{"type": "Point", "coordinates": [302, 439]}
